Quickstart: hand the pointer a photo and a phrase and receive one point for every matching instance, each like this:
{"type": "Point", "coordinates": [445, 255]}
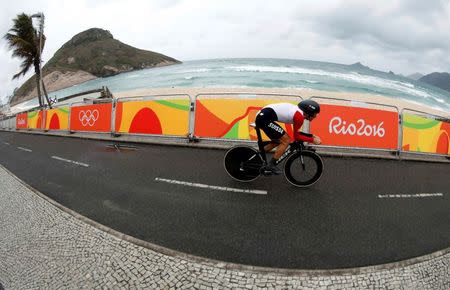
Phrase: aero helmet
{"type": "Point", "coordinates": [309, 107]}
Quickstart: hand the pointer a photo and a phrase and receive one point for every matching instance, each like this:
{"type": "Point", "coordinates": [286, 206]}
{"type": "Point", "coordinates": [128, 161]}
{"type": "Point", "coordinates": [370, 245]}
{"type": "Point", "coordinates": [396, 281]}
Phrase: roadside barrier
{"type": "Point", "coordinates": [349, 124]}
{"type": "Point", "coordinates": [22, 121]}
{"type": "Point", "coordinates": [57, 119]}
{"type": "Point", "coordinates": [227, 116]}
{"type": "Point", "coordinates": [424, 133]}
{"type": "Point", "coordinates": [35, 120]}
{"type": "Point", "coordinates": [7, 123]}
{"type": "Point", "coordinates": [342, 123]}
{"type": "Point", "coordinates": [91, 117]}
{"type": "Point", "coordinates": [166, 115]}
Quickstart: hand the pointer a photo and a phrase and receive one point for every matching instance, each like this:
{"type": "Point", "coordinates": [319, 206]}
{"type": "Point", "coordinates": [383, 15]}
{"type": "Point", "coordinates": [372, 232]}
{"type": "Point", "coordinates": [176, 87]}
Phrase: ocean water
{"type": "Point", "coordinates": [268, 73]}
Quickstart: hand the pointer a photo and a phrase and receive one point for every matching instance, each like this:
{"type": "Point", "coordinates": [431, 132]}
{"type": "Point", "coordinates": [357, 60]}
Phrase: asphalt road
{"type": "Point", "coordinates": [361, 212]}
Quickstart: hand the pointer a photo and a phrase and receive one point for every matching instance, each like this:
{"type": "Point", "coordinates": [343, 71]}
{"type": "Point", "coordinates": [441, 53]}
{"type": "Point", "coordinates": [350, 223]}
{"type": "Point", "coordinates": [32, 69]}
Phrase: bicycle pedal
{"type": "Point", "coordinates": [267, 173]}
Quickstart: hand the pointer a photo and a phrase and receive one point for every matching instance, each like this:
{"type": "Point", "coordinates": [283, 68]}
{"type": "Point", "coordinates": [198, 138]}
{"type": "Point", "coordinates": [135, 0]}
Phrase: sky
{"type": "Point", "coordinates": [403, 36]}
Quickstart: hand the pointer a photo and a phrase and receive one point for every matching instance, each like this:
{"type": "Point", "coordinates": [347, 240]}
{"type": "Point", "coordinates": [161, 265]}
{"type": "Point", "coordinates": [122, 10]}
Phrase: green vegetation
{"type": "Point", "coordinates": [27, 44]}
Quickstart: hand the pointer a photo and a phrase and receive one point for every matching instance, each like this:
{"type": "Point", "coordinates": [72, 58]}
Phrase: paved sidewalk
{"type": "Point", "coordinates": [42, 246]}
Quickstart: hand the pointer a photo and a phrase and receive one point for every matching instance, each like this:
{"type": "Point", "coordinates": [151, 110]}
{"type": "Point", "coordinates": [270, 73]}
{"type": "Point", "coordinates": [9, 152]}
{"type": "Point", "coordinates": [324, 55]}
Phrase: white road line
{"type": "Point", "coordinates": [417, 195]}
{"type": "Point", "coordinates": [200, 185]}
{"type": "Point", "coordinates": [6, 143]}
{"type": "Point", "coordinates": [25, 149]}
{"type": "Point", "coordinates": [70, 161]}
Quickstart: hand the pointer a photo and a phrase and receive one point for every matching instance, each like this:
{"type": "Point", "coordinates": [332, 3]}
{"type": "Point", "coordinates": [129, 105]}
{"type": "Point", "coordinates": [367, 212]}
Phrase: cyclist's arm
{"type": "Point", "coordinates": [299, 136]}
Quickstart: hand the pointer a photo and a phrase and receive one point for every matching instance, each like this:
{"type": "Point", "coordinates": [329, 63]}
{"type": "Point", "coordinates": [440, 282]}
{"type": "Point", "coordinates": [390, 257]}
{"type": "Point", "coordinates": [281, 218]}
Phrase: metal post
{"type": "Point", "coordinates": [400, 133]}
{"type": "Point", "coordinates": [113, 118]}
{"type": "Point", "coordinates": [191, 121]}
{"type": "Point", "coordinates": [41, 32]}
{"type": "Point", "coordinates": [70, 116]}
{"type": "Point", "coordinates": [41, 16]}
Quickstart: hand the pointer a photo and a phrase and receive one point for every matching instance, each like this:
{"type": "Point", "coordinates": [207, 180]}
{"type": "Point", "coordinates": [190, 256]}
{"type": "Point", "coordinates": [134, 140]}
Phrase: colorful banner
{"type": "Point", "coordinates": [57, 119]}
{"type": "Point", "coordinates": [428, 135]}
{"type": "Point", "coordinates": [356, 127]}
{"type": "Point", "coordinates": [166, 117]}
{"type": "Point", "coordinates": [95, 118]}
{"type": "Point", "coordinates": [22, 121]}
{"type": "Point", "coordinates": [230, 118]}
{"type": "Point", "coordinates": [35, 119]}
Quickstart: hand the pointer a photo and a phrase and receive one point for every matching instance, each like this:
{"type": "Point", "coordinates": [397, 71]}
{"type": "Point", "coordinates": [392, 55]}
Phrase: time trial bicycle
{"type": "Point", "coordinates": [303, 166]}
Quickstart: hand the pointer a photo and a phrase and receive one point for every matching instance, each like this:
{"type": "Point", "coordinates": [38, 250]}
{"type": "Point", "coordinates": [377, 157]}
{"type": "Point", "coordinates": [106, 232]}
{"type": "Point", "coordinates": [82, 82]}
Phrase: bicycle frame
{"type": "Point", "coordinates": [262, 152]}
{"type": "Point", "coordinates": [261, 145]}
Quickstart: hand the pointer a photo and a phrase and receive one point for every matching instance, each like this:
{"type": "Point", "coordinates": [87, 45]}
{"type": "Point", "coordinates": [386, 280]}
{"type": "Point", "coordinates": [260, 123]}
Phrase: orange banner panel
{"type": "Point", "coordinates": [356, 127]}
{"type": "Point", "coordinates": [22, 121]}
{"type": "Point", "coordinates": [95, 118]}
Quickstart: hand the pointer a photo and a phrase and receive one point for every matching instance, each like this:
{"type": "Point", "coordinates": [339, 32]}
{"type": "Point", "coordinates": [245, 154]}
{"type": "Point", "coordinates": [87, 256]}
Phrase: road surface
{"type": "Point", "coordinates": [361, 212]}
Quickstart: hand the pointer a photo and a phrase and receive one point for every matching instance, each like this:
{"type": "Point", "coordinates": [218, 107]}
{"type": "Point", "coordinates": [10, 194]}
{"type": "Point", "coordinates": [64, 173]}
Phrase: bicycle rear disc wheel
{"type": "Point", "coordinates": [243, 163]}
{"type": "Point", "coordinates": [305, 176]}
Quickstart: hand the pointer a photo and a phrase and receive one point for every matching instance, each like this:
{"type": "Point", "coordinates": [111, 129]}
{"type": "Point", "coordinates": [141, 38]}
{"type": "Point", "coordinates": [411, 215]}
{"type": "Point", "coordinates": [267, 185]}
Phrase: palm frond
{"type": "Point", "coordinates": [25, 66]}
{"type": "Point", "coordinates": [24, 41]}
{"type": "Point", "coordinates": [18, 44]}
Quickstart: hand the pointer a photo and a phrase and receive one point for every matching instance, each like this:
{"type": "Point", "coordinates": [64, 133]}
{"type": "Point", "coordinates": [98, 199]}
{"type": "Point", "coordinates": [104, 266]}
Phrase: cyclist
{"type": "Point", "coordinates": [289, 114]}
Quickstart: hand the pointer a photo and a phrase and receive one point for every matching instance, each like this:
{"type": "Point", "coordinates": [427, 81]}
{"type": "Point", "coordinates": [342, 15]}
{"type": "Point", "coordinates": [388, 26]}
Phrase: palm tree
{"type": "Point", "coordinates": [27, 44]}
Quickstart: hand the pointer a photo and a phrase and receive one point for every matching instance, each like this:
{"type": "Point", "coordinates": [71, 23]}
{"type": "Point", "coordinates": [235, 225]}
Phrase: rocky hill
{"type": "Point", "coordinates": [90, 54]}
{"type": "Point", "coordinates": [358, 65]}
{"type": "Point", "coordinates": [415, 76]}
{"type": "Point", "coordinates": [440, 80]}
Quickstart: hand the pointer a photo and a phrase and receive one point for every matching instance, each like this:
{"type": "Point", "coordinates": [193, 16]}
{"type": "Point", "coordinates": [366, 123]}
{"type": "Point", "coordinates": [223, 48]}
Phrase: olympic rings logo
{"type": "Point", "coordinates": [88, 117]}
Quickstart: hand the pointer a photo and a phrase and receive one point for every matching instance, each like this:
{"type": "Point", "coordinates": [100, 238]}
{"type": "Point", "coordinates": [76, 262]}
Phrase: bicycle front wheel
{"type": "Point", "coordinates": [303, 169]}
{"type": "Point", "coordinates": [243, 163]}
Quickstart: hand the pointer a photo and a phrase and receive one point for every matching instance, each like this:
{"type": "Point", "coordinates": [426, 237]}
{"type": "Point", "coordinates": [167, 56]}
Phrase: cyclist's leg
{"type": "Point", "coordinates": [262, 121]}
{"type": "Point", "coordinates": [265, 120]}
{"type": "Point", "coordinates": [270, 146]}
{"type": "Point", "coordinates": [284, 143]}
{"type": "Point", "coordinates": [276, 132]}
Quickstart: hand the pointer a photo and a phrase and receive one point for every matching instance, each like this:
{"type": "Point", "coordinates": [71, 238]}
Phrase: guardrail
{"type": "Point", "coordinates": [424, 133]}
{"type": "Point", "coordinates": [57, 118]}
{"type": "Point", "coordinates": [167, 115]}
{"type": "Point", "coordinates": [91, 117]}
{"type": "Point", "coordinates": [221, 116]}
{"type": "Point", "coordinates": [359, 125]}
{"type": "Point", "coordinates": [342, 123]}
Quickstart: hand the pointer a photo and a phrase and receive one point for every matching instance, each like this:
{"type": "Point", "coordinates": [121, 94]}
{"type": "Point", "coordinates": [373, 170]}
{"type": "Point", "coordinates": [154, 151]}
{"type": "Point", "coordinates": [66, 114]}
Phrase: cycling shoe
{"type": "Point", "coordinates": [273, 169]}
